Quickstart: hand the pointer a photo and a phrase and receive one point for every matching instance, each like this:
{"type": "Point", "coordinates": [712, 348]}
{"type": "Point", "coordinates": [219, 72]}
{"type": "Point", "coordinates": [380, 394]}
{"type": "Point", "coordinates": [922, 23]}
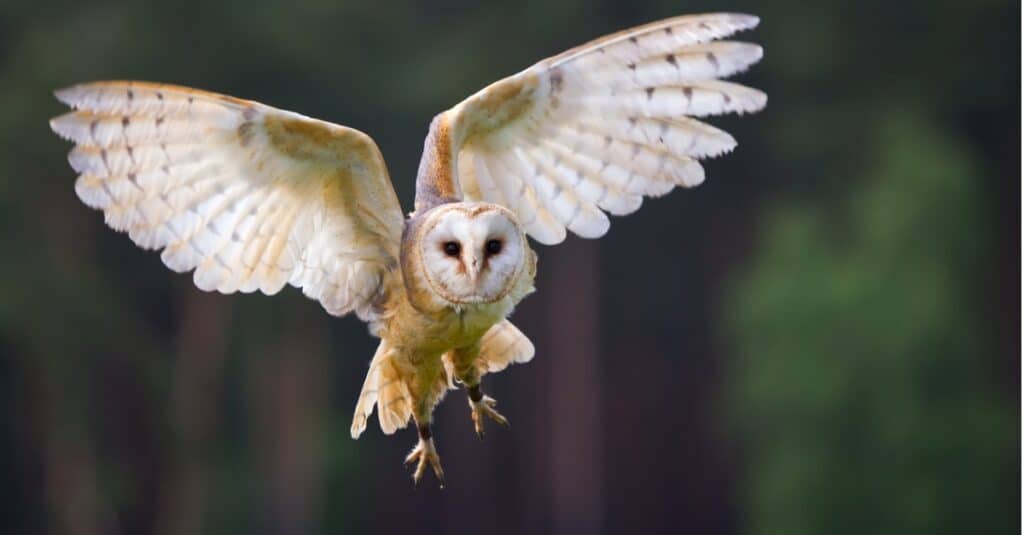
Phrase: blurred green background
{"type": "Point", "coordinates": [823, 338]}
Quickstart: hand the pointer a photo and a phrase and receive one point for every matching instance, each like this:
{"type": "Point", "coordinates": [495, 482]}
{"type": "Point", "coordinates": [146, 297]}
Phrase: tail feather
{"type": "Point", "coordinates": [384, 388]}
{"type": "Point", "coordinates": [502, 345]}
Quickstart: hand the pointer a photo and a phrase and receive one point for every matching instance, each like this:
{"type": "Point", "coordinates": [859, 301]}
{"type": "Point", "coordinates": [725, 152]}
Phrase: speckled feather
{"type": "Point", "coordinates": [248, 196]}
{"type": "Point", "coordinates": [597, 128]}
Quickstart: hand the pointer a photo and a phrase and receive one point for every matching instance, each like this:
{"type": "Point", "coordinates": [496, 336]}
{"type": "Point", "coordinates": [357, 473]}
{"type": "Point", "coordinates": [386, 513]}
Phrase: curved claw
{"type": "Point", "coordinates": [424, 453]}
{"type": "Point", "coordinates": [485, 407]}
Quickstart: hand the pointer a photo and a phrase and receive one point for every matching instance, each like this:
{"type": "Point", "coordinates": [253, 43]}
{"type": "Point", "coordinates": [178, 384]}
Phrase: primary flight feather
{"type": "Point", "coordinates": [249, 197]}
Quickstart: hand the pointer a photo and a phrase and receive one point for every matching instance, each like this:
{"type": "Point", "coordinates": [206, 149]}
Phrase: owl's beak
{"type": "Point", "coordinates": [474, 270]}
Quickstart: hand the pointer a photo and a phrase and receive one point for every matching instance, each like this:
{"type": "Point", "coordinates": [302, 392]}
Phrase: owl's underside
{"type": "Point", "coordinates": [250, 197]}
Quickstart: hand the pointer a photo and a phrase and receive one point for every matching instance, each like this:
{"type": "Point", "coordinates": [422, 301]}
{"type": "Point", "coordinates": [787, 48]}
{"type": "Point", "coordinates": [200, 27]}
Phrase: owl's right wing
{"type": "Point", "coordinates": [596, 128]}
{"type": "Point", "coordinates": [249, 196]}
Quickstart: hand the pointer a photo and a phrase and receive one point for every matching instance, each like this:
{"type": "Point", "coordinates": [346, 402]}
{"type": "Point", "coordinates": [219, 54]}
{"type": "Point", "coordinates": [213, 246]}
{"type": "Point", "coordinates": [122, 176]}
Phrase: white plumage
{"type": "Point", "coordinates": [235, 191]}
{"type": "Point", "coordinates": [605, 124]}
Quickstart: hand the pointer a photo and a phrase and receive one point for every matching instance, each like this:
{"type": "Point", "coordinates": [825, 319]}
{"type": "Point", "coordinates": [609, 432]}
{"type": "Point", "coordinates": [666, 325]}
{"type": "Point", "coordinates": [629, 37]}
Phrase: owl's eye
{"type": "Point", "coordinates": [493, 247]}
{"type": "Point", "coordinates": [451, 248]}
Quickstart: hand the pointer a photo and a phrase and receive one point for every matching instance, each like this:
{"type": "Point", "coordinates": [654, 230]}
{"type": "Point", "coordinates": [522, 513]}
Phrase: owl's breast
{"type": "Point", "coordinates": [434, 332]}
{"type": "Point", "coordinates": [470, 322]}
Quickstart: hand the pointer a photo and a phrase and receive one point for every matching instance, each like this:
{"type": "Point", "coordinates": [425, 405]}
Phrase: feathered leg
{"type": "Point", "coordinates": [468, 373]}
{"type": "Point", "coordinates": [428, 386]}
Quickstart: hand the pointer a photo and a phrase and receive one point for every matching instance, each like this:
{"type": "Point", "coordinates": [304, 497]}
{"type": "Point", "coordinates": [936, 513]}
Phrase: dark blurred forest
{"type": "Point", "coordinates": [822, 338]}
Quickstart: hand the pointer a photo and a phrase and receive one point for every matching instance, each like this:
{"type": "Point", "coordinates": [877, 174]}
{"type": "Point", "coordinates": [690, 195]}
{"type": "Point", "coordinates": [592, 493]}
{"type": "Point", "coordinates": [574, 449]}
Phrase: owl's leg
{"type": "Point", "coordinates": [428, 385]}
{"type": "Point", "coordinates": [480, 405]}
{"type": "Point", "coordinates": [425, 452]}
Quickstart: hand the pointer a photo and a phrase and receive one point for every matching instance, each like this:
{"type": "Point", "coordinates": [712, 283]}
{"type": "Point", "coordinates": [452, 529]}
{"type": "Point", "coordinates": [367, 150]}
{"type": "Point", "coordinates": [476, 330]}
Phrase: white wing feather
{"type": "Point", "coordinates": [603, 125]}
{"type": "Point", "coordinates": [248, 196]}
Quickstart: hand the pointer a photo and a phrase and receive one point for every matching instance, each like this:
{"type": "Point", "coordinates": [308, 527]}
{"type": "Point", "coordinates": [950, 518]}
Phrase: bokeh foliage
{"type": "Point", "coordinates": [874, 385]}
{"type": "Point", "coordinates": [864, 385]}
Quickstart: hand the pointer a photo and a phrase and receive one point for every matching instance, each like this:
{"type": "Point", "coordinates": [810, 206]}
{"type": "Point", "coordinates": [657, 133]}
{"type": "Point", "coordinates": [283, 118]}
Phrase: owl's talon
{"type": "Point", "coordinates": [485, 407]}
{"type": "Point", "coordinates": [424, 453]}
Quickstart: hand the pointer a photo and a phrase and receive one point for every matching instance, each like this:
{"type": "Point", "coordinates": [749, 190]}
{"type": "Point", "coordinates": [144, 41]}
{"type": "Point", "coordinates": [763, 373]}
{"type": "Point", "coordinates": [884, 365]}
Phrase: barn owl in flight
{"type": "Point", "coordinates": [250, 197]}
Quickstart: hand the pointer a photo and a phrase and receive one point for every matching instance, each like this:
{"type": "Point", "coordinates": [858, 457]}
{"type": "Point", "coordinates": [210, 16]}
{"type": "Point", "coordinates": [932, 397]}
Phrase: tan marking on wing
{"type": "Point", "coordinates": [600, 126]}
{"type": "Point", "coordinates": [498, 105]}
{"type": "Point", "coordinates": [309, 140]}
{"type": "Point", "coordinates": [248, 196]}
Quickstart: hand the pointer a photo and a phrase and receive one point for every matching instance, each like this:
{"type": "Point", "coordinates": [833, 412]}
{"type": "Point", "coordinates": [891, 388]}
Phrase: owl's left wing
{"type": "Point", "coordinates": [249, 196]}
{"type": "Point", "coordinates": [596, 128]}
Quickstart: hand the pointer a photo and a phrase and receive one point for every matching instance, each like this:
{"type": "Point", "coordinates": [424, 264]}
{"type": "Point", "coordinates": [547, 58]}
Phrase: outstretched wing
{"type": "Point", "coordinates": [597, 128]}
{"type": "Point", "coordinates": [249, 196]}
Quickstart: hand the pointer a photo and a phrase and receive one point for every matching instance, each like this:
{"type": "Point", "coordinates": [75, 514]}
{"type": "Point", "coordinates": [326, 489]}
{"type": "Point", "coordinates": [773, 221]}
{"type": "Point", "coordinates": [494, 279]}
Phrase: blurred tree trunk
{"type": "Point", "coordinates": [61, 390]}
{"type": "Point", "coordinates": [289, 384]}
{"type": "Point", "coordinates": [69, 470]}
{"type": "Point", "coordinates": [196, 401]}
{"type": "Point", "coordinates": [574, 388]}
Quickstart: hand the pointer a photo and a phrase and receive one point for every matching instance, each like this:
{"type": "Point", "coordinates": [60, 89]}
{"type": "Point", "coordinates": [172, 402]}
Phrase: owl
{"type": "Point", "coordinates": [252, 198]}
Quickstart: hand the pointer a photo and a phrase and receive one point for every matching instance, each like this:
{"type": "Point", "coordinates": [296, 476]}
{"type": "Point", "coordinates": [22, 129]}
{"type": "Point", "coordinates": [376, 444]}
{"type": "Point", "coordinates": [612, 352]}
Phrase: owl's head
{"type": "Point", "coordinates": [471, 252]}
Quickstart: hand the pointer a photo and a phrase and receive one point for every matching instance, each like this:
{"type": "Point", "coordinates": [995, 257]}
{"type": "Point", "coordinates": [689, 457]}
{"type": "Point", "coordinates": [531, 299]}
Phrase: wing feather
{"type": "Point", "coordinates": [601, 126]}
{"type": "Point", "coordinates": [248, 196]}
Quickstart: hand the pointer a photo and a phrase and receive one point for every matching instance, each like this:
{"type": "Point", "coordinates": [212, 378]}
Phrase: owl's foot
{"type": "Point", "coordinates": [482, 406]}
{"type": "Point", "coordinates": [424, 453]}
